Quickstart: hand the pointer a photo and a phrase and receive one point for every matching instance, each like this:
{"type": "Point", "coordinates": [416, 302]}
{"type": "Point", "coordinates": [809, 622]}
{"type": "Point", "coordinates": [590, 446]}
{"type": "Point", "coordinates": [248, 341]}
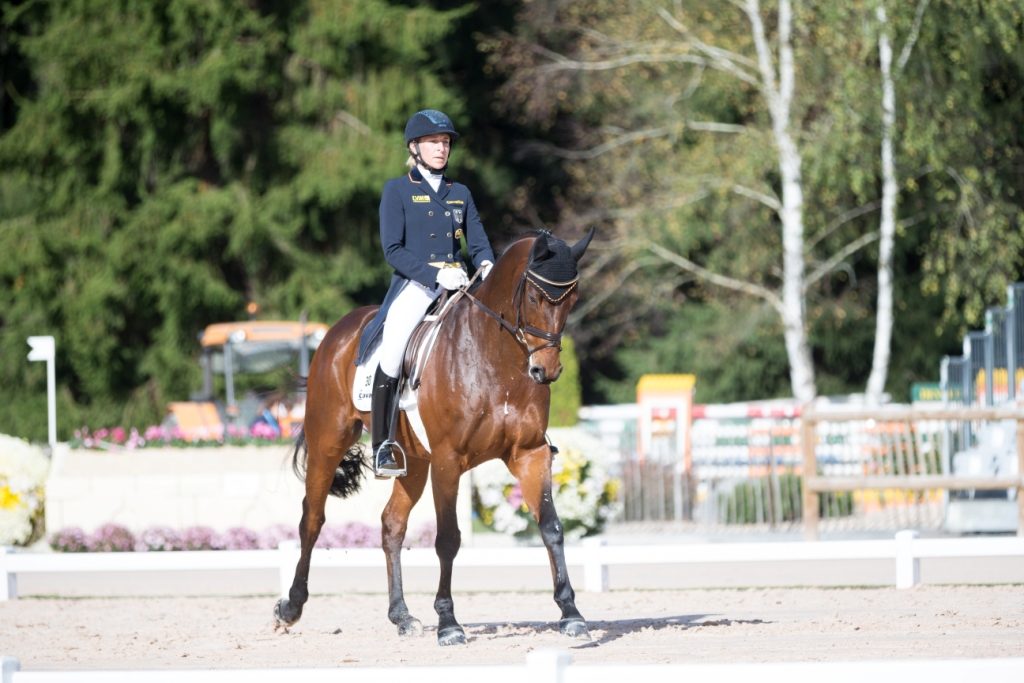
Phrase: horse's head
{"type": "Point", "coordinates": [547, 291]}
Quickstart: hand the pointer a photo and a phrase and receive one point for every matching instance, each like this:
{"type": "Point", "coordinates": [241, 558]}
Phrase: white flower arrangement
{"type": "Point", "coordinates": [23, 470]}
{"type": "Point", "coordinates": [586, 496]}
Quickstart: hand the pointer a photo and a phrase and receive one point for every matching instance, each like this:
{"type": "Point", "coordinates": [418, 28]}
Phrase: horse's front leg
{"type": "Point", "coordinates": [444, 480]}
{"type": "Point", "coordinates": [394, 523]}
{"type": "Point", "coordinates": [533, 470]}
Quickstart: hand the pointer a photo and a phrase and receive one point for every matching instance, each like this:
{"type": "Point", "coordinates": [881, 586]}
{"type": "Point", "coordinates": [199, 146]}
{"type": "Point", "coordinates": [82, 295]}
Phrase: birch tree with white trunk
{"type": "Point", "coordinates": [777, 87]}
{"type": "Point", "coordinates": [890, 185]}
{"type": "Point", "coordinates": [750, 56]}
{"type": "Point", "coordinates": [774, 76]}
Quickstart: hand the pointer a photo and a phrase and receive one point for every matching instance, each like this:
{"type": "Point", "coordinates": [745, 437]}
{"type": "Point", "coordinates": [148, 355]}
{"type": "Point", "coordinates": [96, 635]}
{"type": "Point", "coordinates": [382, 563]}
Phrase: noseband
{"type": "Point", "coordinates": [521, 329]}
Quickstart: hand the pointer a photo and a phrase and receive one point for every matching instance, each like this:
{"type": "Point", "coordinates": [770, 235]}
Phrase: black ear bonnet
{"type": "Point", "coordinates": [552, 267]}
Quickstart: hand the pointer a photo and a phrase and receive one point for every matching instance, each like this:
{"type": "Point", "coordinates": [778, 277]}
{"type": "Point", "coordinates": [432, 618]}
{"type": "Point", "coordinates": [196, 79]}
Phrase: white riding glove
{"type": "Point", "coordinates": [452, 278]}
{"type": "Point", "coordinates": [485, 269]}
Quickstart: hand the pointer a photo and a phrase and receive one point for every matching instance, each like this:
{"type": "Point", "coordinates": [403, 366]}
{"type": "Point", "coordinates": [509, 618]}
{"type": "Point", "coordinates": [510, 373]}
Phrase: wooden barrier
{"type": "Point", "coordinates": [902, 476]}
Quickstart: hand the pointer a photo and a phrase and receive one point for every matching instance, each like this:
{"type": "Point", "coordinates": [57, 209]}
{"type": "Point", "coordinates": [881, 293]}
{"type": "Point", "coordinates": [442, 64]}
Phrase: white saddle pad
{"type": "Point", "coordinates": [362, 393]}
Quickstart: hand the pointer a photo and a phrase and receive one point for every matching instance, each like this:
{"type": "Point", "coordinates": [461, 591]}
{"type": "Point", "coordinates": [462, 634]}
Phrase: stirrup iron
{"type": "Point", "coordinates": [399, 470]}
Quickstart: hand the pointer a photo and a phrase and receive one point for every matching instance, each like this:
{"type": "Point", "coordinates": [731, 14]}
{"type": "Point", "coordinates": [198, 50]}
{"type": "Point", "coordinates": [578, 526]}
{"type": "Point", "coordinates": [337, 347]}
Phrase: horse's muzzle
{"type": "Point", "coordinates": [539, 375]}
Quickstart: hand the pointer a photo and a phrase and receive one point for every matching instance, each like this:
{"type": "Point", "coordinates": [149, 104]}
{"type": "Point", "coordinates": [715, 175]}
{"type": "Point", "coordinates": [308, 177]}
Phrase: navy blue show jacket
{"type": "Point", "coordinates": [419, 226]}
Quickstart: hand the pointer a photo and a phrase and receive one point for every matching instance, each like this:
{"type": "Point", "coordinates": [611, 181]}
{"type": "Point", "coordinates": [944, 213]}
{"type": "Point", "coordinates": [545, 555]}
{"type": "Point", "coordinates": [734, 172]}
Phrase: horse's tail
{"type": "Point", "coordinates": [347, 478]}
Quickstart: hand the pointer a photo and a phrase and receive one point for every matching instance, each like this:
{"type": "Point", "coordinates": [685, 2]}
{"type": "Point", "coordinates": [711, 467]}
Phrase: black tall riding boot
{"type": "Point", "coordinates": [384, 389]}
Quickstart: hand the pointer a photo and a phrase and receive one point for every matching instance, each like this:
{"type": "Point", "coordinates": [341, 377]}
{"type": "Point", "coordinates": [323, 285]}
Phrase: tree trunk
{"type": "Point", "coordinates": [887, 220]}
{"type": "Point", "coordinates": [791, 214]}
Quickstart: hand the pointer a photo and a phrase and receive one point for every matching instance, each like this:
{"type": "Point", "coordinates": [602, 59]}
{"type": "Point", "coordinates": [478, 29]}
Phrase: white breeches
{"type": "Point", "coordinates": [406, 312]}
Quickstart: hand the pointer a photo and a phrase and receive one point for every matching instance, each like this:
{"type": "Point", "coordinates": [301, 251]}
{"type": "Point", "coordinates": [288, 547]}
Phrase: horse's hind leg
{"type": "Point", "coordinates": [321, 465]}
{"type": "Point", "coordinates": [394, 523]}
{"type": "Point", "coordinates": [533, 470]}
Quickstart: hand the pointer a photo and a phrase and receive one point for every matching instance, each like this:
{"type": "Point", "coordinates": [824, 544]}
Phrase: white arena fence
{"type": "Point", "coordinates": [906, 550]}
{"type": "Point", "coordinates": [555, 666]}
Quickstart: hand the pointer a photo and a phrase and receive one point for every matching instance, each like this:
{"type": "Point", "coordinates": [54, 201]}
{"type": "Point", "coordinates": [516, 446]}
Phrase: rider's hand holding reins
{"type": "Point", "coordinates": [485, 269]}
{"type": "Point", "coordinates": [452, 278]}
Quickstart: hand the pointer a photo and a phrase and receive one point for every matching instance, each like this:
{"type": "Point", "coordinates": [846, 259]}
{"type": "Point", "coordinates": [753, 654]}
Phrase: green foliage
{"type": "Point", "coordinates": [698, 172]}
{"type": "Point", "coordinates": [164, 164]}
{"type": "Point", "coordinates": [733, 352]}
{"type": "Point", "coordinates": [566, 395]}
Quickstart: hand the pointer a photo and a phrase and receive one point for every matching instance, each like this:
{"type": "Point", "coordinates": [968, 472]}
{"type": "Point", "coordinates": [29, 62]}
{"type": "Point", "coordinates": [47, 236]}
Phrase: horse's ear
{"type": "Point", "coordinates": [540, 247]}
{"type": "Point", "coordinates": [581, 246]}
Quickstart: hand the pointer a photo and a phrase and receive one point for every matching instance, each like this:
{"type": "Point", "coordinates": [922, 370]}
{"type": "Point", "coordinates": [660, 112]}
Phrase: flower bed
{"type": "Point", "coordinates": [586, 496]}
{"type": "Point", "coordinates": [157, 436]}
{"type": "Point", "coordinates": [117, 538]}
{"type": "Point", "coordinates": [23, 470]}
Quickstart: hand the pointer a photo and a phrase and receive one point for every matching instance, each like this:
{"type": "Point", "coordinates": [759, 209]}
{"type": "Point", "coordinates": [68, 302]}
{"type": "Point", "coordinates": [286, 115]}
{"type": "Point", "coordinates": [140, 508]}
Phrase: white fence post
{"type": "Point", "coordinates": [595, 571]}
{"type": "Point", "coordinates": [547, 666]}
{"type": "Point", "coordinates": [8, 579]}
{"type": "Point", "coordinates": [8, 665]}
{"type": "Point", "coordinates": [288, 556]}
{"type": "Point", "coordinates": [908, 567]}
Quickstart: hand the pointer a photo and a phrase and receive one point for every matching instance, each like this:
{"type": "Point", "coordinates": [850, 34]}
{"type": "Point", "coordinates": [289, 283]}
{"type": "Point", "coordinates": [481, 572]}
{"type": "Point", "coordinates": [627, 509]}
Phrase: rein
{"type": "Point", "coordinates": [520, 329]}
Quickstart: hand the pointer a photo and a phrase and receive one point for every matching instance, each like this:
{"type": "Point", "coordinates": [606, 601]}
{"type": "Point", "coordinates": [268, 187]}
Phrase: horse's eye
{"type": "Point", "coordinates": [533, 298]}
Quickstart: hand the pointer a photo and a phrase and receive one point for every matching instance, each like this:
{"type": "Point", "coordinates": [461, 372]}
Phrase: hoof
{"type": "Point", "coordinates": [574, 628]}
{"type": "Point", "coordinates": [410, 627]}
{"type": "Point", "coordinates": [285, 615]}
{"type": "Point", "coordinates": [453, 635]}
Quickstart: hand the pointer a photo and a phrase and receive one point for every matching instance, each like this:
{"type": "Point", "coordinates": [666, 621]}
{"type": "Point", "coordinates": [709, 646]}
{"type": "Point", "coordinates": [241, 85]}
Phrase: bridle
{"type": "Point", "coordinates": [521, 329]}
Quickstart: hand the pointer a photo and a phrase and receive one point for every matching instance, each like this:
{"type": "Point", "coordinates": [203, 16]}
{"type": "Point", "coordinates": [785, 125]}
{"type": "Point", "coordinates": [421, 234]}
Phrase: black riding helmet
{"type": "Point", "coordinates": [428, 122]}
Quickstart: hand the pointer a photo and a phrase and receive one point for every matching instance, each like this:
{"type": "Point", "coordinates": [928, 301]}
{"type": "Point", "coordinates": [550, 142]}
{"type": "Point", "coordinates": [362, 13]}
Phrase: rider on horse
{"type": "Point", "coordinates": [423, 216]}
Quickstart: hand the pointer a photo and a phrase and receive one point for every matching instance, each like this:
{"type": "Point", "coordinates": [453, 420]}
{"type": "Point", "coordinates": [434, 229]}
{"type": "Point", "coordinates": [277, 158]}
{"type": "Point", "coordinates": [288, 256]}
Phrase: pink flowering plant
{"type": "Point", "coordinates": [119, 538]}
{"type": "Point", "coordinates": [157, 436]}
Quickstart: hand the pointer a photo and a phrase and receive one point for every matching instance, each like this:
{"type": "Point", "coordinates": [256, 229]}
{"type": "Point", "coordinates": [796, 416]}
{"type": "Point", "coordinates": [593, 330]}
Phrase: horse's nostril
{"type": "Point", "coordinates": [537, 373]}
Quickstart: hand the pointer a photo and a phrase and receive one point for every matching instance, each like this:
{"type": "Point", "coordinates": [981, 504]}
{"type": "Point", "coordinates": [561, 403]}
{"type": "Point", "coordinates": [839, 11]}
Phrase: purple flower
{"type": "Point", "coordinates": [236, 431]}
{"type": "Point", "coordinates": [69, 540]}
{"type": "Point", "coordinates": [135, 440]}
{"type": "Point", "coordinates": [155, 433]}
{"type": "Point", "coordinates": [201, 538]}
{"type": "Point", "coordinates": [424, 538]}
{"type": "Point", "coordinates": [240, 538]}
{"type": "Point", "coordinates": [273, 535]}
{"type": "Point", "coordinates": [350, 535]}
{"type": "Point", "coordinates": [159, 538]}
{"type": "Point", "coordinates": [111, 538]}
{"type": "Point", "coordinates": [515, 495]}
{"type": "Point", "coordinates": [262, 430]}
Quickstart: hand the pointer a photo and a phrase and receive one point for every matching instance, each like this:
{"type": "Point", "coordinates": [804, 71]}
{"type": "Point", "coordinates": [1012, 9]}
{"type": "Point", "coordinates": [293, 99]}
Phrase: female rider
{"type": "Point", "coordinates": [423, 215]}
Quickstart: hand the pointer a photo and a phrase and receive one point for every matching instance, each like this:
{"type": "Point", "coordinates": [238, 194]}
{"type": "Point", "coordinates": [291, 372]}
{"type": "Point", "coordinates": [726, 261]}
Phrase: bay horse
{"type": "Point", "coordinates": [484, 394]}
